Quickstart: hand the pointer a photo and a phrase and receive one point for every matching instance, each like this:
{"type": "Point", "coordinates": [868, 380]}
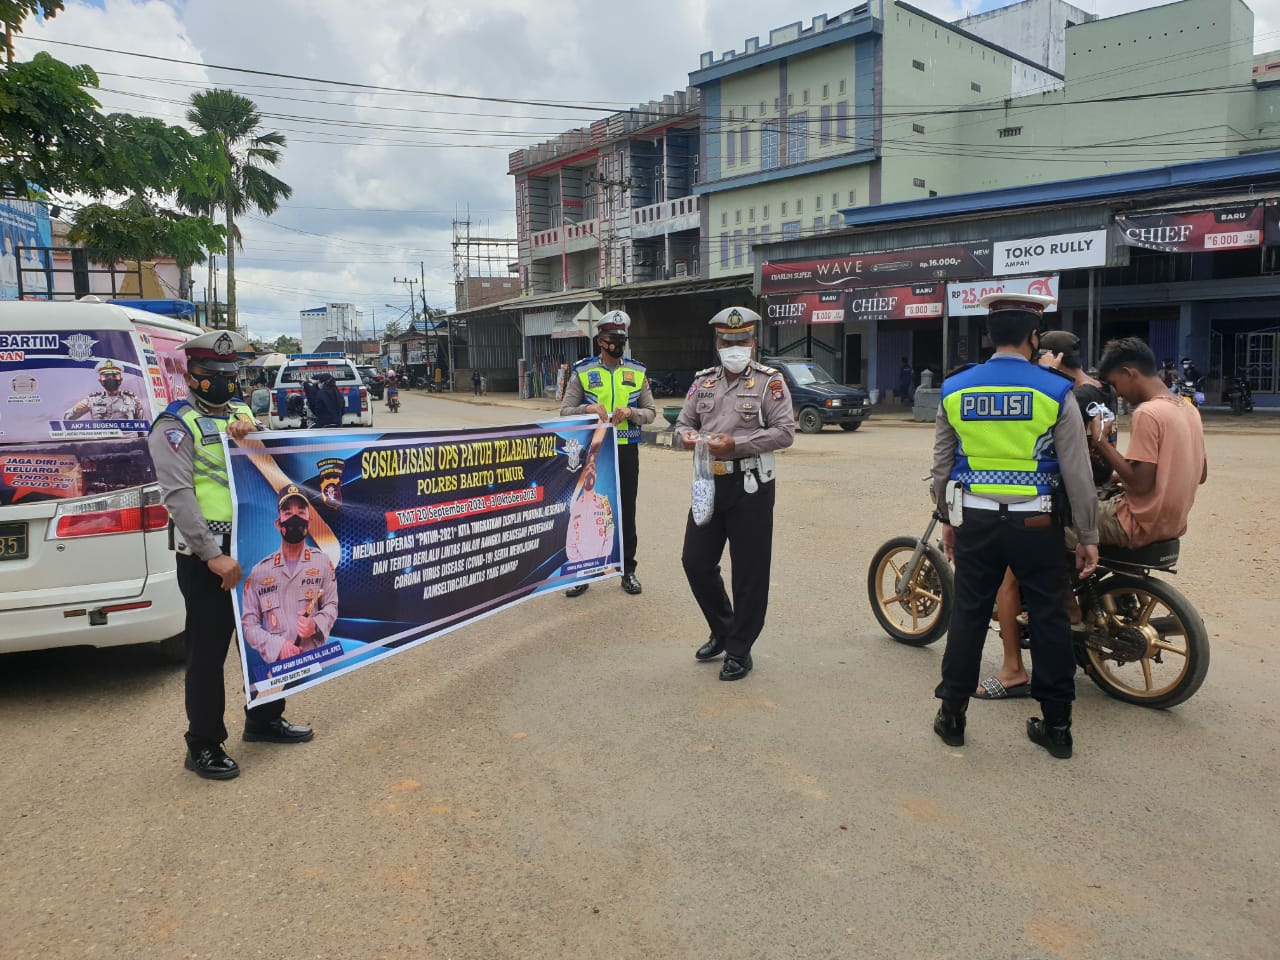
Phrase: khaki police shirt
{"type": "Point", "coordinates": [108, 406]}
{"type": "Point", "coordinates": [754, 408]}
{"type": "Point", "coordinates": [273, 598]}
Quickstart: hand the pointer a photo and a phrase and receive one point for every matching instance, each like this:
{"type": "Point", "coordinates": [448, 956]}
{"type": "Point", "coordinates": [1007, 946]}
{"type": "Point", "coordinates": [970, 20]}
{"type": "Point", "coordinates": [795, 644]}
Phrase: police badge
{"type": "Point", "coordinates": [331, 481]}
{"type": "Point", "coordinates": [573, 453]}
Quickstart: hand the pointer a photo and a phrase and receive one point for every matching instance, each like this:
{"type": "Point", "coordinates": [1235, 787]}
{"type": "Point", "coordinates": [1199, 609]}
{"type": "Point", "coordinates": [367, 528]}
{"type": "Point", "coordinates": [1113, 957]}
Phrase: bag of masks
{"type": "Point", "coordinates": [703, 492]}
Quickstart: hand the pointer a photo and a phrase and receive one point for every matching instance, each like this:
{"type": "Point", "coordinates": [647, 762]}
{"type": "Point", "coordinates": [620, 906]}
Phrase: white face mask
{"type": "Point", "coordinates": [735, 359]}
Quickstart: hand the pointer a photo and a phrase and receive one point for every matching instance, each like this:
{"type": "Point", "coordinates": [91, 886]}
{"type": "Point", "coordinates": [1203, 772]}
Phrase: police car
{"type": "Point", "coordinates": [817, 398]}
{"type": "Point", "coordinates": [302, 367]}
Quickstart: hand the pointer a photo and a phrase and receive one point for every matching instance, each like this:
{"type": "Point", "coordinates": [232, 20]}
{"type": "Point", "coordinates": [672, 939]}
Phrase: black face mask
{"type": "Point", "coordinates": [294, 529]}
{"type": "Point", "coordinates": [214, 388]}
{"type": "Point", "coordinates": [613, 348]}
{"type": "Point", "coordinates": [110, 384]}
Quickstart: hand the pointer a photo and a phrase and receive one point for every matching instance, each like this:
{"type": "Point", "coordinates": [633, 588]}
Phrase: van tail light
{"type": "Point", "coordinates": [364, 399]}
{"type": "Point", "coordinates": [275, 412]}
{"type": "Point", "coordinates": [129, 511]}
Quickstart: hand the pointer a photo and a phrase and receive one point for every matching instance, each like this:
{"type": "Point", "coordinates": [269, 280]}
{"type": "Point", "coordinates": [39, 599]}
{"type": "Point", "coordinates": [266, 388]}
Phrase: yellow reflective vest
{"type": "Point", "coordinates": [212, 486]}
{"type": "Point", "coordinates": [612, 389]}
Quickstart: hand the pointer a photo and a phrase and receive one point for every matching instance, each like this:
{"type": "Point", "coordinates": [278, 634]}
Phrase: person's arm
{"type": "Point", "coordinates": [1136, 470]}
{"type": "Point", "coordinates": [689, 423]}
{"type": "Point", "coordinates": [175, 472]}
{"type": "Point", "coordinates": [945, 442]}
{"type": "Point", "coordinates": [1071, 444]}
{"type": "Point", "coordinates": [327, 612]}
{"type": "Point", "coordinates": [267, 644]}
{"type": "Point", "coordinates": [572, 404]}
{"type": "Point", "coordinates": [779, 429]}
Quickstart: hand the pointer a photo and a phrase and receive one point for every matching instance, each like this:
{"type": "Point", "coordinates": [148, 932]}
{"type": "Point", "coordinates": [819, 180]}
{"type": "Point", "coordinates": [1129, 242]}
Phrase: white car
{"type": "Point", "coordinates": [287, 397]}
{"type": "Point", "coordinates": [84, 543]}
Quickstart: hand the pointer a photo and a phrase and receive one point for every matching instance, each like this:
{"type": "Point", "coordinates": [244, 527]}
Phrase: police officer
{"type": "Point", "coordinates": [109, 403]}
{"type": "Point", "coordinates": [616, 389]}
{"type": "Point", "coordinates": [743, 408]}
{"type": "Point", "coordinates": [291, 596]}
{"type": "Point", "coordinates": [1008, 435]}
{"type": "Point", "coordinates": [186, 445]}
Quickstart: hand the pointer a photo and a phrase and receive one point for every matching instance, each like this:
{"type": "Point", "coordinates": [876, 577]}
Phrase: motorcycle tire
{"type": "Point", "coordinates": [922, 615]}
{"type": "Point", "coordinates": [1237, 404]}
{"type": "Point", "coordinates": [1150, 611]}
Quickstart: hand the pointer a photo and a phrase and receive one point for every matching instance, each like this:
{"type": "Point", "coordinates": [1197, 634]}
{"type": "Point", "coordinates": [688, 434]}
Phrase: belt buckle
{"type": "Point", "coordinates": [719, 468]}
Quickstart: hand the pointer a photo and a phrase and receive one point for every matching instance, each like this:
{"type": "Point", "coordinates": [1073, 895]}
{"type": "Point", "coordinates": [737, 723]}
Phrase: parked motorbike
{"type": "Point", "coordinates": [1190, 384]}
{"type": "Point", "coordinates": [1143, 642]}
{"type": "Point", "coordinates": [1238, 395]}
{"type": "Point", "coordinates": [663, 385]}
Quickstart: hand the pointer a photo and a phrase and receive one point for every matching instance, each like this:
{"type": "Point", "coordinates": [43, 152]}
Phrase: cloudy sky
{"type": "Point", "coordinates": [379, 177]}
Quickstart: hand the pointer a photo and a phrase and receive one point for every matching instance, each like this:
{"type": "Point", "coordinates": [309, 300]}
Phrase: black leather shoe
{"type": "Point", "coordinates": [950, 721]}
{"type": "Point", "coordinates": [1054, 737]}
{"type": "Point", "coordinates": [709, 650]}
{"type": "Point", "coordinates": [630, 583]}
{"type": "Point", "coordinates": [211, 763]}
{"type": "Point", "coordinates": [577, 591]}
{"type": "Point", "coordinates": [278, 731]}
{"type": "Point", "coordinates": [735, 669]}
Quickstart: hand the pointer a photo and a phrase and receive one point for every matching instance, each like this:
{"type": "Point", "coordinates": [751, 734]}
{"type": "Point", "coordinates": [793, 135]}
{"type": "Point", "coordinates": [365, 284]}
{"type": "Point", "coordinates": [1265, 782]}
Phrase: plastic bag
{"type": "Point", "coordinates": [703, 493]}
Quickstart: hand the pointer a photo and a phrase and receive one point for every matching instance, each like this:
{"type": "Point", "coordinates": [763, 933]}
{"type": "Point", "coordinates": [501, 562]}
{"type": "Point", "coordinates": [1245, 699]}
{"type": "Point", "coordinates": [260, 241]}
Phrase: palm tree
{"type": "Point", "coordinates": [233, 123]}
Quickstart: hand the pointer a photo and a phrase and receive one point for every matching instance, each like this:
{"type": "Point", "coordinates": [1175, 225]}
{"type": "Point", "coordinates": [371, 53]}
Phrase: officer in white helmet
{"type": "Point", "coordinates": [615, 388]}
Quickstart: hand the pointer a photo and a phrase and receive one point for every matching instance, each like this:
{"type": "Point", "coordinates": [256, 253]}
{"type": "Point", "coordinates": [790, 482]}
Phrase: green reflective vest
{"type": "Point", "coordinates": [212, 486]}
{"type": "Point", "coordinates": [612, 389]}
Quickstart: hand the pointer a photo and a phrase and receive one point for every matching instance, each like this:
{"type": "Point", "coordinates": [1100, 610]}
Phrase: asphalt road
{"type": "Point", "coordinates": [562, 780]}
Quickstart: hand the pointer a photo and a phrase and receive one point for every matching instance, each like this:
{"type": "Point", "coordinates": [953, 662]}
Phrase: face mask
{"type": "Point", "coordinates": [612, 348]}
{"type": "Point", "coordinates": [213, 388]}
{"type": "Point", "coordinates": [735, 359]}
{"type": "Point", "coordinates": [110, 384]}
{"type": "Point", "coordinates": [295, 529]}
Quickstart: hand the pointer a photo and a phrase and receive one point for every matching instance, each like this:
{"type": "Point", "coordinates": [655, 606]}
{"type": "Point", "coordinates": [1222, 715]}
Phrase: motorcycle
{"type": "Point", "coordinates": [664, 385]}
{"type": "Point", "coordinates": [393, 399]}
{"type": "Point", "coordinates": [1143, 642]}
{"type": "Point", "coordinates": [1238, 395]}
{"type": "Point", "coordinates": [1190, 385]}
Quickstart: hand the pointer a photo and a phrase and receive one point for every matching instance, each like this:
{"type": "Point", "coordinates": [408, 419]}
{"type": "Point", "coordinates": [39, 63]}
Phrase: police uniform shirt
{"type": "Point", "coordinates": [576, 402]}
{"type": "Point", "coordinates": [274, 595]}
{"type": "Point", "coordinates": [121, 405]}
{"type": "Point", "coordinates": [1073, 460]}
{"type": "Point", "coordinates": [591, 527]}
{"type": "Point", "coordinates": [754, 409]}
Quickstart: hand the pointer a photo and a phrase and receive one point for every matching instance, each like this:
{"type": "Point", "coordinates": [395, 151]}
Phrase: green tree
{"type": "Point", "coordinates": [287, 344]}
{"type": "Point", "coordinates": [13, 12]}
{"type": "Point", "coordinates": [233, 124]}
{"type": "Point", "coordinates": [393, 329]}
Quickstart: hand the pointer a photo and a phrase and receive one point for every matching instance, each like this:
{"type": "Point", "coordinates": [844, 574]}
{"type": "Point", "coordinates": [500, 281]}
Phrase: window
{"type": "Point", "coordinates": [917, 182]}
{"type": "Point", "coordinates": [784, 208]}
{"type": "Point", "coordinates": [724, 219]}
{"type": "Point", "coordinates": [917, 65]}
{"type": "Point", "coordinates": [917, 128]}
{"type": "Point", "coordinates": [835, 200]}
{"type": "Point", "coordinates": [824, 126]}
{"type": "Point", "coordinates": [798, 138]}
{"type": "Point", "coordinates": [751, 233]}
{"type": "Point", "coordinates": [766, 232]}
{"type": "Point", "coordinates": [975, 87]}
{"type": "Point", "coordinates": [853, 197]}
{"type": "Point", "coordinates": [818, 224]}
{"type": "Point", "coordinates": [737, 248]}
{"type": "Point", "coordinates": [764, 212]}
{"type": "Point", "coordinates": [833, 222]}
{"type": "Point", "coordinates": [799, 206]}
{"type": "Point", "coordinates": [768, 145]}
{"type": "Point", "coordinates": [804, 97]}
{"type": "Point", "coordinates": [817, 202]}
{"type": "Point", "coordinates": [1010, 131]}
{"type": "Point", "coordinates": [791, 99]}
{"type": "Point", "coordinates": [744, 147]}
{"type": "Point", "coordinates": [842, 86]}
{"type": "Point", "coordinates": [762, 108]}
{"type": "Point", "coordinates": [724, 249]}
{"type": "Point", "coordinates": [737, 216]}
{"type": "Point", "coordinates": [791, 230]}
{"type": "Point", "coordinates": [730, 147]}
{"type": "Point", "coordinates": [826, 91]}
{"type": "Point", "coordinates": [775, 104]}
{"type": "Point", "coordinates": [751, 215]}
{"type": "Point", "coordinates": [842, 120]}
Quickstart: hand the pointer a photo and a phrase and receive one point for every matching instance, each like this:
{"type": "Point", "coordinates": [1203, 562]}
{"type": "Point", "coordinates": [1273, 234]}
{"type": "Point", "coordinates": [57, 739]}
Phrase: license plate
{"type": "Point", "coordinates": [13, 541]}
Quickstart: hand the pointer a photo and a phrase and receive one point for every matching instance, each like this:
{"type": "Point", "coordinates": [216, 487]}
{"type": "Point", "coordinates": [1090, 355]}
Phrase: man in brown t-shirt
{"type": "Point", "coordinates": [1165, 461]}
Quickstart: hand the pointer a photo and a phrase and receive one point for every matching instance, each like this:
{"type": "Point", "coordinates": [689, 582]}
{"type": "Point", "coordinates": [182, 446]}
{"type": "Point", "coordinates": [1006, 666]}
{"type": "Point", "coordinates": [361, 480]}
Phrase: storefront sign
{"type": "Point", "coordinates": [919, 264]}
{"type": "Point", "coordinates": [806, 308]}
{"type": "Point", "coordinates": [1194, 231]}
{"type": "Point", "coordinates": [1065, 251]}
{"type": "Point", "coordinates": [962, 298]}
{"type": "Point", "coordinates": [915, 302]}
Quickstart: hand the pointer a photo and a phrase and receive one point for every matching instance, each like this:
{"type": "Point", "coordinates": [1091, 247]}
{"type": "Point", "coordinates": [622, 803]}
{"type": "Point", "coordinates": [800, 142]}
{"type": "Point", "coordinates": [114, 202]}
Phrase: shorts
{"type": "Point", "coordinates": [1110, 533]}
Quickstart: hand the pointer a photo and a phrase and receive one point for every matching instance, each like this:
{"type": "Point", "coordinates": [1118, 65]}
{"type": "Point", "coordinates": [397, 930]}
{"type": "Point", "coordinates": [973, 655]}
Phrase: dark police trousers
{"type": "Point", "coordinates": [987, 542]}
{"type": "Point", "coordinates": [629, 483]}
{"type": "Point", "coordinates": [211, 621]}
{"type": "Point", "coordinates": [746, 521]}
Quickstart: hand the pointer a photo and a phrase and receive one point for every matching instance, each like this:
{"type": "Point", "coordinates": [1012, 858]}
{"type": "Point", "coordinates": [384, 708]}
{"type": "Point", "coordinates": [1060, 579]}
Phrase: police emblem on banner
{"type": "Point", "coordinates": [572, 450]}
{"type": "Point", "coordinates": [331, 481]}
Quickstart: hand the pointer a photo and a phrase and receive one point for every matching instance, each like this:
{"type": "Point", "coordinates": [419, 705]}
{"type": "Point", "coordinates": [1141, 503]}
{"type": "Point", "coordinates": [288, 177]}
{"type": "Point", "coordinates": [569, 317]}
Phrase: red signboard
{"type": "Point", "coordinates": [806, 308]}
{"type": "Point", "coordinates": [918, 265]}
{"type": "Point", "coordinates": [910, 302]}
{"type": "Point", "coordinates": [1194, 231]}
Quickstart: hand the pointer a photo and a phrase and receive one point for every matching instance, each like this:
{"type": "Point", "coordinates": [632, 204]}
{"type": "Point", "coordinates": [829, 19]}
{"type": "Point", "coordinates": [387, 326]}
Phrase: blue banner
{"type": "Point", "coordinates": [358, 544]}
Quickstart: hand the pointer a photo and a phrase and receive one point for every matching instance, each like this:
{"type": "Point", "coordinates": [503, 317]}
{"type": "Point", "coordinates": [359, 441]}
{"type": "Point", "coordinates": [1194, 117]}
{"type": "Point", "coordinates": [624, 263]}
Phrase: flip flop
{"type": "Point", "coordinates": [993, 689]}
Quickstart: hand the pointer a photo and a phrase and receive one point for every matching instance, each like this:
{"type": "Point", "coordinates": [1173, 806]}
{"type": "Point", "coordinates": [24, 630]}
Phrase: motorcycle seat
{"type": "Point", "coordinates": [1160, 555]}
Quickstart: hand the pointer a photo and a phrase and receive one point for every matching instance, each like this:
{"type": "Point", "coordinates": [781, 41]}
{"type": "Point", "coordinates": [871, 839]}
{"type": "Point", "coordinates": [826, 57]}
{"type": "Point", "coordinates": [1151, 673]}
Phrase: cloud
{"type": "Point", "coordinates": [377, 177]}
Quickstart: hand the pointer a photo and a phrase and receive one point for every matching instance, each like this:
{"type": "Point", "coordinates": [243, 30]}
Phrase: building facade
{"type": "Point", "coordinates": [333, 321]}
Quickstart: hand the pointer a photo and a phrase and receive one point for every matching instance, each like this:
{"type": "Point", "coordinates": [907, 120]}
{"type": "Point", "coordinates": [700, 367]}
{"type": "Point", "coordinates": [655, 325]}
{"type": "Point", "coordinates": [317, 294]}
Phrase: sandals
{"type": "Point", "coordinates": [993, 689]}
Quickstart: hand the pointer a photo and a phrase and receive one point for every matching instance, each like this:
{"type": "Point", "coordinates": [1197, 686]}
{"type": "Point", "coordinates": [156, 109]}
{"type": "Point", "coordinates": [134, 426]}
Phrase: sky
{"type": "Point", "coordinates": [377, 177]}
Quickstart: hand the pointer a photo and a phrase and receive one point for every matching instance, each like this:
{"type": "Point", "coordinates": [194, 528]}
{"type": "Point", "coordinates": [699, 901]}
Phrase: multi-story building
{"type": "Point", "coordinates": [336, 321]}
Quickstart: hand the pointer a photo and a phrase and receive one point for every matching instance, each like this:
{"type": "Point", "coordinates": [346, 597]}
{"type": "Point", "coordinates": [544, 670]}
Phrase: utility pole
{"type": "Point", "coordinates": [413, 316]}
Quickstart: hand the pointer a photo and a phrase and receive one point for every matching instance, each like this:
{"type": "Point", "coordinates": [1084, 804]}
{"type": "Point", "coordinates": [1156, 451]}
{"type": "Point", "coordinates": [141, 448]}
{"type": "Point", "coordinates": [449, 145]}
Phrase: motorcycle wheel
{"type": "Point", "coordinates": [1237, 403]}
{"type": "Point", "coordinates": [922, 614]}
{"type": "Point", "coordinates": [1144, 610]}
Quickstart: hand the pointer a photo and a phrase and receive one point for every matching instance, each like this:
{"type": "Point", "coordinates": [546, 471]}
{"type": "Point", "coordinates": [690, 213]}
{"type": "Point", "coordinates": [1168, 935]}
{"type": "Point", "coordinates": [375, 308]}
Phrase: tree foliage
{"type": "Point", "coordinates": [137, 230]}
{"type": "Point", "coordinates": [13, 12]}
{"type": "Point", "coordinates": [287, 344]}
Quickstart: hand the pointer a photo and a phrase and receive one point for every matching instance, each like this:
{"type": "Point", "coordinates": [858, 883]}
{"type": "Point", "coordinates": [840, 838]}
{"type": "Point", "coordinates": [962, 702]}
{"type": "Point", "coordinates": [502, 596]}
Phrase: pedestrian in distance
{"type": "Point", "coordinates": [615, 388]}
{"type": "Point", "coordinates": [743, 410]}
{"type": "Point", "coordinates": [191, 469]}
{"type": "Point", "coordinates": [475, 382]}
{"type": "Point", "coordinates": [905, 378]}
{"type": "Point", "coordinates": [1008, 435]}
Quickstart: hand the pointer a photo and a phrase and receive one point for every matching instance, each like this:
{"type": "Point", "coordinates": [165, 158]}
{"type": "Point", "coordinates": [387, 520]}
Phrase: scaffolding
{"type": "Point", "coordinates": [482, 265]}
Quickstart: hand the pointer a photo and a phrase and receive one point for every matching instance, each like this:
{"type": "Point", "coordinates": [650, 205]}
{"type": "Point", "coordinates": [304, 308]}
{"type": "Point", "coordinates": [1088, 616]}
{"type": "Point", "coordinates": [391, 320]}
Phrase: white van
{"type": "Point", "coordinates": [84, 543]}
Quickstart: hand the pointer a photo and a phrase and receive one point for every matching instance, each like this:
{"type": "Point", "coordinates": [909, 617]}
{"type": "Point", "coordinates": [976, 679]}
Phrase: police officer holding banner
{"type": "Point", "coordinates": [616, 389]}
{"type": "Point", "coordinates": [1008, 440]}
{"type": "Point", "coordinates": [743, 409]}
{"type": "Point", "coordinates": [186, 445]}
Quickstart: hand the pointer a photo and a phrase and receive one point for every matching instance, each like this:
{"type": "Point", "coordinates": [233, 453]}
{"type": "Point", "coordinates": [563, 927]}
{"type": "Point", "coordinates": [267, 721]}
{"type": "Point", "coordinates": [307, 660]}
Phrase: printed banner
{"type": "Point", "coordinates": [917, 265]}
{"type": "Point", "coordinates": [358, 544]}
{"type": "Point", "coordinates": [962, 298]}
{"type": "Point", "coordinates": [24, 224]}
{"type": "Point", "coordinates": [806, 308]}
{"type": "Point", "coordinates": [1194, 231]}
{"type": "Point", "coordinates": [1066, 251]}
{"type": "Point", "coordinates": [916, 302]}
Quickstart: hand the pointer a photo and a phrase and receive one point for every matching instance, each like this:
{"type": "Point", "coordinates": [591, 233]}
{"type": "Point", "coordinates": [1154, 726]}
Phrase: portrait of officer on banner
{"type": "Point", "coordinates": [592, 527]}
{"type": "Point", "coordinates": [110, 402]}
{"type": "Point", "coordinates": [290, 596]}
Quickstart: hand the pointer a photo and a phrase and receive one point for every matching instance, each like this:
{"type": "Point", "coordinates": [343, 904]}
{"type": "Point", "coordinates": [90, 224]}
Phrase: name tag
{"type": "Point", "coordinates": [996, 406]}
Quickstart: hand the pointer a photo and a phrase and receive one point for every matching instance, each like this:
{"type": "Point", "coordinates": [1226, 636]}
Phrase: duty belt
{"type": "Point", "coordinates": [973, 501]}
{"type": "Point", "coordinates": [722, 468]}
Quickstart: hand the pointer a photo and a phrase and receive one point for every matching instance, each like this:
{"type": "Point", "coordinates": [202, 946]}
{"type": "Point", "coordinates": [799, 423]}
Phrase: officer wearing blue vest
{"type": "Point", "coordinates": [186, 446]}
{"type": "Point", "coordinates": [615, 388]}
{"type": "Point", "coordinates": [1008, 439]}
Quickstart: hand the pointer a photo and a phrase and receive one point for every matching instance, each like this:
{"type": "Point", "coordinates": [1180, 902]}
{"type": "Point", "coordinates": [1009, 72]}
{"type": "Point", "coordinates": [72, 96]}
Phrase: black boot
{"type": "Point", "coordinates": [1054, 731]}
{"type": "Point", "coordinates": [949, 723]}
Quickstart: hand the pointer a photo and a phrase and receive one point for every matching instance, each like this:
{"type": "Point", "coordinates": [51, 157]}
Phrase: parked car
{"type": "Point", "coordinates": [374, 380]}
{"type": "Point", "coordinates": [817, 398]}
{"type": "Point", "coordinates": [84, 543]}
{"type": "Point", "coordinates": [302, 367]}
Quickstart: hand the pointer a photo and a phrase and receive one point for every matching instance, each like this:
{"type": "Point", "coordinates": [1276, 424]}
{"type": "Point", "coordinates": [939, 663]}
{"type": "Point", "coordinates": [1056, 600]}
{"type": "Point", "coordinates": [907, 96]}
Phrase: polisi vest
{"type": "Point", "coordinates": [612, 388]}
{"type": "Point", "coordinates": [1003, 411]}
{"type": "Point", "coordinates": [213, 491]}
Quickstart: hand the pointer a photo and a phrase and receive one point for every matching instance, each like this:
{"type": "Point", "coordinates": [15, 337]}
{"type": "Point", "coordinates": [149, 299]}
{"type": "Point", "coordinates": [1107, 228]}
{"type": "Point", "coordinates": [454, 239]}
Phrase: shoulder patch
{"type": "Point", "coordinates": [175, 436]}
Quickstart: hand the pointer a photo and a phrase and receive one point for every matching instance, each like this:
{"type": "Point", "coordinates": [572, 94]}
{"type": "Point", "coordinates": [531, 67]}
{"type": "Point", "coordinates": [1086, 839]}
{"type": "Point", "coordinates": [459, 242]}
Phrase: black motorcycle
{"type": "Point", "coordinates": [393, 399]}
{"type": "Point", "coordinates": [1143, 641]}
{"type": "Point", "coordinates": [1238, 395]}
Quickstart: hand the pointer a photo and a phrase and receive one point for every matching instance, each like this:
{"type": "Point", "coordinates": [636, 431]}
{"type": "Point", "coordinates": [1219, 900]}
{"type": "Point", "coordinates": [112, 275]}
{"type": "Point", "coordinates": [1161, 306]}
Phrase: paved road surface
{"type": "Point", "coordinates": [562, 780]}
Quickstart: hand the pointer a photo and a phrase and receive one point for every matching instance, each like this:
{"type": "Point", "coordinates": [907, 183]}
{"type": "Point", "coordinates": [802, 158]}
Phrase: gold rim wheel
{"type": "Point", "coordinates": [1147, 619]}
{"type": "Point", "coordinates": [916, 611]}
